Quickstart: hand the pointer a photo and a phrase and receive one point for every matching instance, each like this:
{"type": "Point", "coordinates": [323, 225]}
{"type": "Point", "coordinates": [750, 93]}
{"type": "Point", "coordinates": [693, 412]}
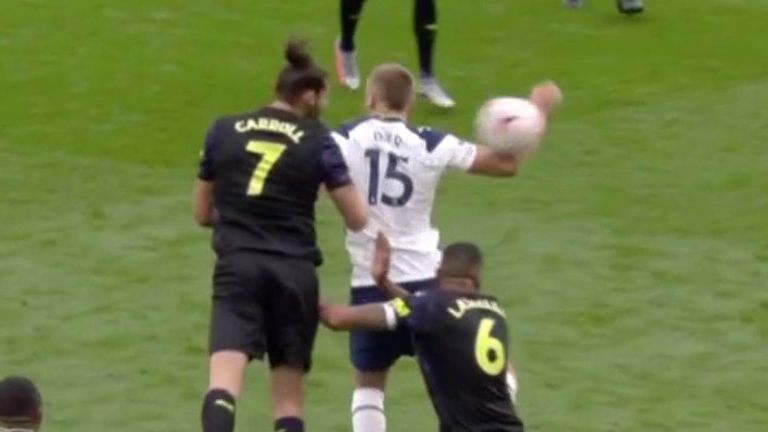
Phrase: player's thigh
{"type": "Point", "coordinates": [375, 351]}
{"type": "Point", "coordinates": [292, 313]}
{"type": "Point", "coordinates": [372, 352]}
{"type": "Point", "coordinates": [237, 313]}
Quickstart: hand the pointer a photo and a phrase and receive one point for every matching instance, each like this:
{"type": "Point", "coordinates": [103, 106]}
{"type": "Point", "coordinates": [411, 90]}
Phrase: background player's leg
{"type": "Point", "coordinates": [425, 27]}
{"type": "Point", "coordinates": [288, 398]}
{"type": "Point", "coordinates": [368, 413]}
{"type": "Point", "coordinates": [346, 55]}
{"type": "Point", "coordinates": [227, 369]}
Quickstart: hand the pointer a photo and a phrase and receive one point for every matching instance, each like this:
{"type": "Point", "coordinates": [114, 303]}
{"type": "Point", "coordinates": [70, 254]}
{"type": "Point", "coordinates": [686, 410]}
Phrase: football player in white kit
{"type": "Point", "coordinates": [398, 167]}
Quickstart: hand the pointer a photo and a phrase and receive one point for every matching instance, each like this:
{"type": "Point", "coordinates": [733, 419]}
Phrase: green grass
{"type": "Point", "coordinates": [632, 254]}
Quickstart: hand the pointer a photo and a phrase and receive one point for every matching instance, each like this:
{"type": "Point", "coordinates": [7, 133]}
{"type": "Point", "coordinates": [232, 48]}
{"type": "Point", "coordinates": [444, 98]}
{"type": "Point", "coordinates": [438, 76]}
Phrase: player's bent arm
{"type": "Point", "coordinates": [366, 317]}
{"type": "Point", "coordinates": [493, 163]}
{"type": "Point", "coordinates": [203, 203]}
{"type": "Point", "coordinates": [350, 204]}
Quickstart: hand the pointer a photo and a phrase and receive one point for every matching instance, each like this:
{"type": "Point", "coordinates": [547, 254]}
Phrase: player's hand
{"type": "Point", "coordinates": [381, 259]}
{"type": "Point", "coordinates": [547, 96]}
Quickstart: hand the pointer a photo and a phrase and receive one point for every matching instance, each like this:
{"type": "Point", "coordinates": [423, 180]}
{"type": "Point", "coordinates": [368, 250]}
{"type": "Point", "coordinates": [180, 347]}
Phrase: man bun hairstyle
{"type": "Point", "coordinates": [301, 73]}
{"type": "Point", "coordinates": [297, 55]}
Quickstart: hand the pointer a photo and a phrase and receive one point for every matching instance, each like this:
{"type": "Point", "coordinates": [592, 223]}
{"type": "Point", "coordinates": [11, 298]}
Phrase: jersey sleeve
{"type": "Point", "coordinates": [449, 150]}
{"type": "Point", "coordinates": [334, 171]}
{"type": "Point", "coordinates": [205, 170]}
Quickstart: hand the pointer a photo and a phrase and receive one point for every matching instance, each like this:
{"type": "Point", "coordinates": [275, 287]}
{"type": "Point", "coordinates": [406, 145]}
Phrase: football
{"type": "Point", "coordinates": [510, 124]}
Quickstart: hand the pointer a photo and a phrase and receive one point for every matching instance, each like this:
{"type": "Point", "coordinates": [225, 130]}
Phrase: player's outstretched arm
{"type": "Point", "coordinates": [380, 269]}
{"type": "Point", "coordinates": [493, 163]}
{"type": "Point", "coordinates": [203, 203]}
{"type": "Point", "coordinates": [547, 96]}
{"type": "Point", "coordinates": [366, 317]}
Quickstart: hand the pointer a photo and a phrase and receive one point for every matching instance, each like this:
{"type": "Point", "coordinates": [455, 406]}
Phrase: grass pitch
{"type": "Point", "coordinates": [632, 254]}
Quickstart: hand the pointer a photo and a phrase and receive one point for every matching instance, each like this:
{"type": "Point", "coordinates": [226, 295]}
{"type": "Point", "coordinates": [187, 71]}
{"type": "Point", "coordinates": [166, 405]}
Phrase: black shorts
{"type": "Point", "coordinates": [265, 304]}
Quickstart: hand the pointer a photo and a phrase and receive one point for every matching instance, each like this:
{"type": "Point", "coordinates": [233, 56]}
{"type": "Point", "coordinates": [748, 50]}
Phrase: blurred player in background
{"type": "Point", "coordinates": [628, 7]}
{"type": "Point", "coordinates": [258, 182]}
{"type": "Point", "coordinates": [20, 405]}
{"type": "Point", "coordinates": [399, 168]}
{"type": "Point", "coordinates": [425, 27]}
{"type": "Point", "coordinates": [460, 337]}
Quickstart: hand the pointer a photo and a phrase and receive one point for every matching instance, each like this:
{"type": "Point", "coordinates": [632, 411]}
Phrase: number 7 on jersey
{"type": "Point", "coordinates": [270, 152]}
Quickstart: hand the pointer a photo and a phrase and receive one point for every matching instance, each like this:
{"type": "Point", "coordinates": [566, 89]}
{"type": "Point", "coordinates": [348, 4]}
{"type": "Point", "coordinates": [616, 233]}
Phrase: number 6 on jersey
{"type": "Point", "coordinates": [489, 351]}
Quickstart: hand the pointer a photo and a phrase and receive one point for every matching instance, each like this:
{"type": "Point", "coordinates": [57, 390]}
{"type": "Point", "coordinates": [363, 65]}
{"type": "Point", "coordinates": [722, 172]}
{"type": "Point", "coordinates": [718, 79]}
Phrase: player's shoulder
{"type": "Point", "coordinates": [346, 128]}
{"type": "Point", "coordinates": [433, 138]}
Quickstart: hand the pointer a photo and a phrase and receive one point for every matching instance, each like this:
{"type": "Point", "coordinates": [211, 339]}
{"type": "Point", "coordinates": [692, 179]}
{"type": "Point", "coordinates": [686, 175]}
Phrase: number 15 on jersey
{"type": "Point", "coordinates": [391, 174]}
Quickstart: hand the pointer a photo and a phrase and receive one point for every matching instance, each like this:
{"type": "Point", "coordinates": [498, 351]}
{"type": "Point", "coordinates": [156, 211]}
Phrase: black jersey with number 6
{"type": "Point", "coordinates": [461, 345]}
{"type": "Point", "coordinates": [266, 167]}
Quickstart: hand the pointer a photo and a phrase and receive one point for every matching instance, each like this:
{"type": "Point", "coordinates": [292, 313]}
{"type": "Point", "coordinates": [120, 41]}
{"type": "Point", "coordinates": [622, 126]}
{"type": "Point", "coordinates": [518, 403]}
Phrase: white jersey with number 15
{"type": "Point", "coordinates": [398, 168]}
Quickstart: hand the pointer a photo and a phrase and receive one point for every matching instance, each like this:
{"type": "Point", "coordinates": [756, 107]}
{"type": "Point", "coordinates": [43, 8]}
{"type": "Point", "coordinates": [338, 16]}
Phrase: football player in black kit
{"type": "Point", "coordinates": [257, 185]}
{"type": "Point", "coordinates": [460, 338]}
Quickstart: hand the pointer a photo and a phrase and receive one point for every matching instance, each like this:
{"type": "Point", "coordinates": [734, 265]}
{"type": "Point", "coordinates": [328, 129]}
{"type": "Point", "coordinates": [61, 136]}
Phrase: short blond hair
{"type": "Point", "coordinates": [393, 85]}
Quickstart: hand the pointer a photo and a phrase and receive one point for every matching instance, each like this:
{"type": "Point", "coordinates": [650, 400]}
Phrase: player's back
{"type": "Point", "coordinates": [461, 343]}
{"type": "Point", "coordinates": [266, 171]}
{"type": "Point", "coordinates": [398, 167]}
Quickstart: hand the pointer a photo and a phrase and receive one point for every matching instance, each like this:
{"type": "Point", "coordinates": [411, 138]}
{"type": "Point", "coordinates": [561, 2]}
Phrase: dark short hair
{"type": "Point", "coordinates": [459, 258]}
{"type": "Point", "coordinates": [301, 73]}
{"type": "Point", "coordinates": [20, 402]}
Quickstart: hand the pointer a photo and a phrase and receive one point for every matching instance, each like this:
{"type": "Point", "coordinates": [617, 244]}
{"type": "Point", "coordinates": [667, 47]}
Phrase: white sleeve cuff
{"type": "Point", "coordinates": [512, 386]}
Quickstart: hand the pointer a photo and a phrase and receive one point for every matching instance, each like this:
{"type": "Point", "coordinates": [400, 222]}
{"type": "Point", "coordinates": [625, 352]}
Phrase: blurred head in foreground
{"type": "Point", "coordinates": [20, 405]}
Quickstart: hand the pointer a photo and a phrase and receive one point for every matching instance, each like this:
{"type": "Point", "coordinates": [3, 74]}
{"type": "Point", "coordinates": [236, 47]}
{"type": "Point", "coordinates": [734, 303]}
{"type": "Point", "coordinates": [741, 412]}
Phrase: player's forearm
{"type": "Point", "coordinates": [392, 289]}
{"type": "Point", "coordinates": [492, 163]}
{"type": "Point", "coordinates": [351, 205]}
{"type": "Point", "coordinates": [203, 203]}
{"type": "Point", "coordinates": [366, 317]}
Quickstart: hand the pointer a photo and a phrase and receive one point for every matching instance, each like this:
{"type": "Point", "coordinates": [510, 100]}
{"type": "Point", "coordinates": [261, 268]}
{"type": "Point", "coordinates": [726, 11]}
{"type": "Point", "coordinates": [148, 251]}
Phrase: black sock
{"type": "Point", "coordinates": [289, 424]}
{"type": "Point", "coordinates": [218, 411]}
{"type": "Point", "coordinates": [425, 26]}
{"type": "Point", "coordinates": [350, 15]}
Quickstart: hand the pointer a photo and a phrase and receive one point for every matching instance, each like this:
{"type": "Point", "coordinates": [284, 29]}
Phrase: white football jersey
{"type": "Point", "coordinates": [398, 168]}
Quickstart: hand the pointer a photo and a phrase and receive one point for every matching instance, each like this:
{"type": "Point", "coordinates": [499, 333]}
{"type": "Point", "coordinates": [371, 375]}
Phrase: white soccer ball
{"type": "Point", "coordinates": [510, 124]}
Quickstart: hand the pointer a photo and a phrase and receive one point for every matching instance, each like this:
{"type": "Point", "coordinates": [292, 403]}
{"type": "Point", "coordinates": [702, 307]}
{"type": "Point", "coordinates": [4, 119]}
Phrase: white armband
{"type": "Point", "coordinates": [512, 386]}
{"type": "Point", "coordinates": [391, 315]}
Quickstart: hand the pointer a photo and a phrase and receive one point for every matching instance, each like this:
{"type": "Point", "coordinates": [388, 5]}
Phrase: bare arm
{"type": "Point", "coordinates": [350, 204]}
{"type": "Point", "coordinates": [203, 203]}
{"type": "Point", "coordinates": [380, 268]}
{"type": "Point", "coordinates": [546, 96]}
{"type": "Point", "coordinates": [493, 163]}
{"type": "Point", "coordinates": [365, 317]}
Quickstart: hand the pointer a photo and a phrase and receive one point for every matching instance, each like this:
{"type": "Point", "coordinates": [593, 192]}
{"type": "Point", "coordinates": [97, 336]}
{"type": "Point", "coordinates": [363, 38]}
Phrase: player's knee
{"type": "Point", "coordinates": [376, 380]}
{"type": "Point", "coordinates": [368, 410]}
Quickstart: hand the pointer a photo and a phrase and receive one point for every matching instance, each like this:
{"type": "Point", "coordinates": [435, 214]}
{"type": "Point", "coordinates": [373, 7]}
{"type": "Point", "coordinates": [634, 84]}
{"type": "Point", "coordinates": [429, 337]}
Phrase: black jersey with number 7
{"type": "Point", "coordinates": [266, 167]}
{"type": "Point", "coordinates": [461, 345]}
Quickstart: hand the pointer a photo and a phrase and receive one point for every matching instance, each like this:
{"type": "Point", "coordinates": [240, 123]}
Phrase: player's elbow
{"type": "Point", "coordinates": [203, 220]}
{"type": "Point", "coordinates": [357, 221]}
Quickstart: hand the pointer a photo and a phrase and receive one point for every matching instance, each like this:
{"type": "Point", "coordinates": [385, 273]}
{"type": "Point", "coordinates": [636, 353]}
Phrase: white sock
{"type": "Point", "coordinates": [368, 410]}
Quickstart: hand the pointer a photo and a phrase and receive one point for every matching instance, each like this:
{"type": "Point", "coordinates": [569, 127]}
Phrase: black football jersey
{"type": "Point", "coordinates": [461, 345]}
{"type": "Point", "coordinates": [266, 167]}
